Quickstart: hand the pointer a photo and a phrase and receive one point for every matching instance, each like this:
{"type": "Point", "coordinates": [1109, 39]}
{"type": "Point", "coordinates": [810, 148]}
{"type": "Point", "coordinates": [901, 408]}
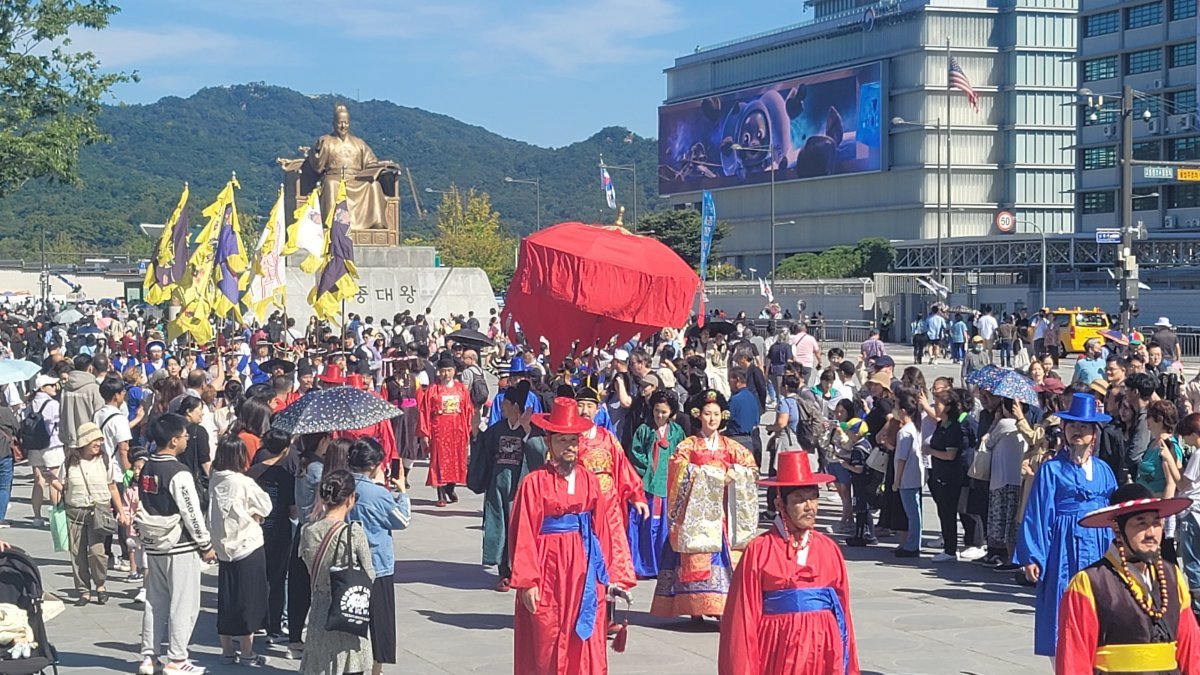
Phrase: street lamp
{"type": "Point", "coordinates": [537, 184]}
{"type": "Point", "coordinates": [937, 123]}
{"type": "Point", "coordinates": [765, 148]}
{"type": "Point", "coordinates": [626, 167]}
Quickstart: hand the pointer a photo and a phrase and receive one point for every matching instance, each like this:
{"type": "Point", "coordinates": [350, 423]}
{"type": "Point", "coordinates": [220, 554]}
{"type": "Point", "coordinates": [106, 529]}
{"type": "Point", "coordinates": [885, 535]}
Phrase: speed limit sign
{"type": "Point", "coordinates": [1005, 221]}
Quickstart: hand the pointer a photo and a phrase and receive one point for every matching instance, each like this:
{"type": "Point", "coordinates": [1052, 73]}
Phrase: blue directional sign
{"type": "Point", "coordinates": [1163, 172]}
{"type": "Point", "coordinates": [1108, 235]}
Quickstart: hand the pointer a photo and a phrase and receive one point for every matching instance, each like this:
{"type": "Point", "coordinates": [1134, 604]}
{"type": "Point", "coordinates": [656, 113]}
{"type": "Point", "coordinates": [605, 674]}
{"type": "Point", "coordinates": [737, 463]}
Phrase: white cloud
{"type": "Point", "coordinates": [576, 35]}
{"type": "Point", "coordinates": [146, 48]}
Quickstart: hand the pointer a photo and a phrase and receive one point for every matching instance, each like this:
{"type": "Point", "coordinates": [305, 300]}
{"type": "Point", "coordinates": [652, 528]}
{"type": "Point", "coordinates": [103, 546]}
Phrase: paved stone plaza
{"type": "Point", "coordinates": [910, 616]}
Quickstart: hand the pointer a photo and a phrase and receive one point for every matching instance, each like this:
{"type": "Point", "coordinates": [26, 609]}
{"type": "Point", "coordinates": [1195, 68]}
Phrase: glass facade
{"type": "Point", "coordinates": [1144, 61]}
{"type": "Point", "coordinates": [1102, 24]}
{"type": "Point", "coordinates": [1183, 55]}
{"type": "Point", "coordinates": [1182, 9]}
{"type": "Point", "coordinates": [1143, 15]}
{"type": "Point", "coordinates": [1097, 202]}
{"type": "Point", "coordinates": [1100, 69]}
{"type": "Point", "coordinates": [1099, 158]}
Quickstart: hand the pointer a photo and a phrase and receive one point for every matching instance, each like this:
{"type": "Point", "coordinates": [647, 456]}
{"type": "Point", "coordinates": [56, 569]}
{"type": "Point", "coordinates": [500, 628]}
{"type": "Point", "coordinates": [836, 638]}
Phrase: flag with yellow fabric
{"type": "Point", "coordinates": [198, 290]}
{"type": "Point", "coordinates": [167, 267]}
{"type": "Point", "coordinates": [307, 233]}
{"type": "Point", "coordinates": [338, 278]}
{"type": "Point", "coordinates": [268, 283]}
{"type": "Point", "coordinates": [230, 265]}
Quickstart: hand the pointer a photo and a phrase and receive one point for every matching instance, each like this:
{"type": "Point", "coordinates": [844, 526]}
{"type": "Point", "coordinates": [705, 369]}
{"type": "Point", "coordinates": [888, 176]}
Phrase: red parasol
{"type": "Point", "coordinates": [591, 282]}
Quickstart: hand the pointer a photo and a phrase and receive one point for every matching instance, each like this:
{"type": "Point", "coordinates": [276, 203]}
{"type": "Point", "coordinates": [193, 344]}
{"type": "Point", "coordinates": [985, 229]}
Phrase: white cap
{"type": "Point", "coordinates": [1163, 321]}
{"type": "Point", "coordinates": [43, 380]}
{"type": "Point", "coordinates": [621, 355]}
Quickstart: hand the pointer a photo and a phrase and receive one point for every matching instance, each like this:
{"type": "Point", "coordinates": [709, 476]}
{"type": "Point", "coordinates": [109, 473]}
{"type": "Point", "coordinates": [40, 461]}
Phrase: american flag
{"type": "Point", "coordinates": [958, 80]}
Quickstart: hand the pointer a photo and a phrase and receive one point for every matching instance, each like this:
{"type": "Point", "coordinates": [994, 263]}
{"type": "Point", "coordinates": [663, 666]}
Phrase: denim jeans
{"type": "Point", "coordinates": [1006, 352]}
{"type": "Point", "coordinates": [6, 480]}
{"type": "Point", "coordinates": [958, 351]}
{"type": "Point", "coordinates": [1187, 537]}
{"type": "Point", "coordinates": [911, 499]}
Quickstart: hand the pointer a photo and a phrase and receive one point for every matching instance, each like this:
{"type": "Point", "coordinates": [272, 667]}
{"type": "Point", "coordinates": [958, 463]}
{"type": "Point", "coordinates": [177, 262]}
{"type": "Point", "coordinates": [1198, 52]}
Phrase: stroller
{"type": "Point", "coordinates": [21, 585]}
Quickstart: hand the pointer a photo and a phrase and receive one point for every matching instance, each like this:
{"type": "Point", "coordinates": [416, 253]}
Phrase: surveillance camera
{"type": "Point", "coordinates": [1146, 115]}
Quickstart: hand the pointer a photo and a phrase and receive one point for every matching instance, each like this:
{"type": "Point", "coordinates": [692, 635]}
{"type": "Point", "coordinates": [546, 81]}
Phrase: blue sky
{"type": "Point", "coordinates": [549, 72]}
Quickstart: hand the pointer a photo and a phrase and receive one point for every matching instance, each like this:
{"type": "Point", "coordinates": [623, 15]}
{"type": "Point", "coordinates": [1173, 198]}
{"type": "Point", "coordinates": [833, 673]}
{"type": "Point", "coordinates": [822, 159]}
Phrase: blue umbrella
{"type": "Point", "coordinates": [89, 330]}
{"type": "Point", "coordinates": [1011, 384]}
{"type": "Point", "coordinates": [986, 374]}
{"type": "Point", "coordinates": [17, 370]}
{"type": "Point", "coordinates": [336, 409]}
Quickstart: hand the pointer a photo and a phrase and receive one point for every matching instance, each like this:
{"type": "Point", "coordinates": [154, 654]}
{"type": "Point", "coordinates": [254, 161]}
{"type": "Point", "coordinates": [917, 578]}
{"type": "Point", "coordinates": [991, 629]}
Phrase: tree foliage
{"type": "Point", "coordinates": [679, 229]}
{"type": "Point", "coordinates": [871, 255]}
{"type": "Point", "coordinates": [469, 235]}
{"type": "Point", "coordinates": [49, 94]}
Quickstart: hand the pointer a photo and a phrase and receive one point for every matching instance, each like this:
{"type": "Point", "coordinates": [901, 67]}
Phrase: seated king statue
{"type": "Point", "coordinates": [342, 156]}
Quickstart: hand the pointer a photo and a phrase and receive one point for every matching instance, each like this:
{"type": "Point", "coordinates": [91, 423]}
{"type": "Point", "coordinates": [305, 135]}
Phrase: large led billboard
{"type": "Point", "coordinates": [826, 124]}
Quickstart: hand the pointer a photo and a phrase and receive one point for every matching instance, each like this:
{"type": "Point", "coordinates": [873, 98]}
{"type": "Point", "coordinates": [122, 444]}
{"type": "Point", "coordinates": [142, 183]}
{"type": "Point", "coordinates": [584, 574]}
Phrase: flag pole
{"type": "Point", "coordinates": [949, 163]}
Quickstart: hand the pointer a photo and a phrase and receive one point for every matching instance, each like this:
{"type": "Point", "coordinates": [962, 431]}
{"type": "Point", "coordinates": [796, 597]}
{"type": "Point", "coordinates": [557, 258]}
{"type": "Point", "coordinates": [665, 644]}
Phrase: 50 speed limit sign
{"type": "Point", "coordinates": [1005, 221]}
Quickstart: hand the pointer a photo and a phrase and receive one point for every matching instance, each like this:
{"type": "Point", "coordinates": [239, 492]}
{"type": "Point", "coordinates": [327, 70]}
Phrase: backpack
{"type": "Point", "coordinates": [810, 425]}
{"type": "Point", "coordinates": [33, 432]}
{"type": "Point", "coordinates": [479, 389]}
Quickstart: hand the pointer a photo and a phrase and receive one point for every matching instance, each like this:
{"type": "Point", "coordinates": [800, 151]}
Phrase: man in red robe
{"type": "Point", "coordinates": [559, 543]}
{"type": "Point", "coordinates": [445, 421]}
{"type": "Point", "coordinates": [788, 610]}
{"type": "Point", "coordinates": [1129, 612]}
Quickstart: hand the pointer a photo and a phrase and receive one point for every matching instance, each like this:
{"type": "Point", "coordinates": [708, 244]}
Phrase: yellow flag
{"type": "Point", "coordinates": [166, 268]}
{"type": "Point", "coordinates": [268, 283]}
{"type": "Point", "coordinates": [307, 233]}
{"type": "Point", "coordinates": [338, 278]}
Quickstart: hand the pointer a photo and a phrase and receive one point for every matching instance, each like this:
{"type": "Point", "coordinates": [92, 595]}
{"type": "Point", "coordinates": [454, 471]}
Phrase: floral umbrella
{"type": "Point", "coordinates": [1005, 383]}
{"type": "Point", "coordinates": [985, 374]}
{"type": "Point", "coordinates": [591, 283]}
{"type": "Point", "coordinates": [336, 409]}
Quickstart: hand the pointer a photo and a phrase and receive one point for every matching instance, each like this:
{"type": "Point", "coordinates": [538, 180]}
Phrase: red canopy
{"type": "Point", "coordinates": [591, 282]}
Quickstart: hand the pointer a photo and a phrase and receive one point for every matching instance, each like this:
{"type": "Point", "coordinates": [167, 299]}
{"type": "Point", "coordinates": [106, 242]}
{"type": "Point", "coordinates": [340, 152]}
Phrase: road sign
{"type": "Point", "coordinates": [1189, 174]}
{"type": "Point", "coordinates": [1005, 221]}
{"type": "Point", "coordinates": [1167, 172]}
{"type": "Point", "coordinates": [1108, 235]}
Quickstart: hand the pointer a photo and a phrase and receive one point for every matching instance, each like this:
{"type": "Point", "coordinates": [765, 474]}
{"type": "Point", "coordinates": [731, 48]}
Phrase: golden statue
{"type": "Point", "coordinates": [371, 184]}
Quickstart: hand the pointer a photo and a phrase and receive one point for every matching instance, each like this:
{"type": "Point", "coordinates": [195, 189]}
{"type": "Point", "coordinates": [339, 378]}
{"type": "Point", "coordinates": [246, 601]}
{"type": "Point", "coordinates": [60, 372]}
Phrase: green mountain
{"type": "Point", "coordinates": [155, 148]}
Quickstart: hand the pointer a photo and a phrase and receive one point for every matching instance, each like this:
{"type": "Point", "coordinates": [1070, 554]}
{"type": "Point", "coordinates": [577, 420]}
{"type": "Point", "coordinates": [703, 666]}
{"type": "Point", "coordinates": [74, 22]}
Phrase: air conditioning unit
{"type": "Point", "coordinates": [1187, 122]}
{"type": "Point", "coordinates": [1110, 130]}
{"type": "Point", "coordinates": [1170, 222]}
{"type": "Point", "coordinates": [1157, 83]}
{"type": "Point", "coordinates": [1153, 125]}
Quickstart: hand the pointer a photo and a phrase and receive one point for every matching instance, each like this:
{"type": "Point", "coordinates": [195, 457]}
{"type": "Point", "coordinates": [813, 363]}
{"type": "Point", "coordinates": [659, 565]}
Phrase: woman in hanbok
{"type": "Point", "coordinates": [653, 445]}
{"type": "Point", "coordinates": [712, 512]}
{"type": "Point", "coordinates": [789, 604]}
{"type": "Point", "coordinates": [1052, 546]}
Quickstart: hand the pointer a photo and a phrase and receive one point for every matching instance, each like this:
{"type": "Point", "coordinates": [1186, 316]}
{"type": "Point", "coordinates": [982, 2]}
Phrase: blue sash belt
{"type": "Point", "coordinates": [597, 571]}
{"type": "Point", "coordinates": [792, 600]}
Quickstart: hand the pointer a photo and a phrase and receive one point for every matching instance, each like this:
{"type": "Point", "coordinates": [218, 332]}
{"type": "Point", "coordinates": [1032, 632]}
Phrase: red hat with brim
{"type": "Point", "coordinates": [563, 418]}
{"type": "Point", "coordinates": [332, 375]}
{"type": "Point", "coordinates": [1109, 515]}
{"type": "Point", "coordinates": [794, 470]}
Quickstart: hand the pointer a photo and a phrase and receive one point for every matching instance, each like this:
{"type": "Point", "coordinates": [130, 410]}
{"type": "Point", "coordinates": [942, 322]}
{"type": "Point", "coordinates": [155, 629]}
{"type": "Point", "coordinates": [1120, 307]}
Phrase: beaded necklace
{"type": "Point", "coordinates": [1158, 577]}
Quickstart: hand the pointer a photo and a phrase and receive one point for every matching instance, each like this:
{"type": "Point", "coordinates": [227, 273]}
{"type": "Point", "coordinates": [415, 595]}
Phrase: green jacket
{"type": "Point", "coordinates": [654, 478]}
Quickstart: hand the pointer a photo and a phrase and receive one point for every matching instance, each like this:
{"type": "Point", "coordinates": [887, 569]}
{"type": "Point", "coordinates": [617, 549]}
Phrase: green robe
{"type": "Point", "coordinates": [499, 460]}
{"type": "Point", "coordinates": [654, 478]}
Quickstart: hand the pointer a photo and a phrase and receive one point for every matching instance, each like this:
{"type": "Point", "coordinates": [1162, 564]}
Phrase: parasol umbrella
{"type": "Point", "coordinates": [68, 316]}
{"type": "Point", "coordinates": [337, 409]}
{"type": "Point", "coordinates": [470, 338]}
{"type": "Point", "coordinates": [17, 370]}
{"type": "Point", "coordinates": [984, 374]}
{"type": "Point", "coordinates": [89, 330]}
{"type": "Point", "coordinates": [1115, 336]}
{"type": "Point", "coordinates": [1008, 384]}
{"type": "Point", "coordinates": [714, 327]}
{"type": "Point", "coordinates": [591, 283]}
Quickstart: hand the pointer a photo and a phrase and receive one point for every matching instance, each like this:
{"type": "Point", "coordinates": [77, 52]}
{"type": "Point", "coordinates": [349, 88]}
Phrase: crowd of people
{"type": "Point", "coordinates": [604, 468]}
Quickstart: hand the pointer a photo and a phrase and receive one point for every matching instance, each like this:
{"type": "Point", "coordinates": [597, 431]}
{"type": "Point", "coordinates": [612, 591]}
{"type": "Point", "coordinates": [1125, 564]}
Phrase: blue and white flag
{"type": "Point", "coordinates": [708, 222]}
{"type": "Point", "coordinates": [610, 192]}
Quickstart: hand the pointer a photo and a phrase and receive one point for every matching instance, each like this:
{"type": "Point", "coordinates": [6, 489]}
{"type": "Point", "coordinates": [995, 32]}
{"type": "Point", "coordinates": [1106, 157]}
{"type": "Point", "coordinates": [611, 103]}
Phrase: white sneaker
{"type": "Point", "coordinates": [140, 598]}
{"type": "Point", "coordinates": [183, 667]}
{"type": "Point", "coordinates": [972, 553]}
{"type": "Point", "coordinates": [148, 666]}
{"type": "Point", "coordinates": [944, 557]}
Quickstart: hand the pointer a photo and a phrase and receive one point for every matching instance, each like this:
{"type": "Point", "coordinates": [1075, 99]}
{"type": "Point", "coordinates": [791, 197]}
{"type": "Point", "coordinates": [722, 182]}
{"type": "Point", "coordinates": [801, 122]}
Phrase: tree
{"type": "Point", "coordinates": [49, 95]}
{"type": "Point", "coordinates": [877, 255]}
{"type": "Point", "coordinates": [725, 272]}
{"type": "Point", "coordinates": [680, 230]}
{"type": "Point", "coordinates": [469, 235]}
{"type": "Point", "coordinates": [839, 262]}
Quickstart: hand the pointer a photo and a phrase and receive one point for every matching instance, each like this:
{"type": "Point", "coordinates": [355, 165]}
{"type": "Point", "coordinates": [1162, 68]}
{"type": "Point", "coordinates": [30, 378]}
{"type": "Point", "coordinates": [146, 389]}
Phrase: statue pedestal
{"type": "Point", "coordinates": [397, 278]}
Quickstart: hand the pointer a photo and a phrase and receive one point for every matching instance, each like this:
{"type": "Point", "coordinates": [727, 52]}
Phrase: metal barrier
{"type": "Point", "coordinates": [847, 334]}
{"type": "Point", "coordinates": [1188, 337]}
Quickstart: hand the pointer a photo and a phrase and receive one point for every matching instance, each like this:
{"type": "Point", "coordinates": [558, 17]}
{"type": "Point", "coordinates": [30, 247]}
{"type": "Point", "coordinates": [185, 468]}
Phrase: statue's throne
{"type": "Point", "coordinates": [299, 180]}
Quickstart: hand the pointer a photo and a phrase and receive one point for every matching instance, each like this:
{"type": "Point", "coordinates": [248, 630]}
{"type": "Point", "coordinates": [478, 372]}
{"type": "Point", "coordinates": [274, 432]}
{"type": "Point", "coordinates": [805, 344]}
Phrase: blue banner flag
{"type": "Point", "coordinates": [708, 222]}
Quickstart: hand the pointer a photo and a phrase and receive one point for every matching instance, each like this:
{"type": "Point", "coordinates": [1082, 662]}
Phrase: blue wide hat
{"type": "Point", "coordinates": [1083, 409]}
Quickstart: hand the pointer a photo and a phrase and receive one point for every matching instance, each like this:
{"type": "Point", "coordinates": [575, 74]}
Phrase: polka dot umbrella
{"type": "Point", "coordinates": [336, 409]}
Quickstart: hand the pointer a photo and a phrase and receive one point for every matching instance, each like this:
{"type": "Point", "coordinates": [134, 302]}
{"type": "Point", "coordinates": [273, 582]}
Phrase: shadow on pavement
{"type": "Point", "coordinates": [472, 621]}
{"type": "Point", "coordinates": [461, 576]}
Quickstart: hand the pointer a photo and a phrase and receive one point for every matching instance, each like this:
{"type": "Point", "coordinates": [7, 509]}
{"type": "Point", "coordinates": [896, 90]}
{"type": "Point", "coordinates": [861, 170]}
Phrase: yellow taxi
{"type": "Point", "coordinates": [1077, 325]}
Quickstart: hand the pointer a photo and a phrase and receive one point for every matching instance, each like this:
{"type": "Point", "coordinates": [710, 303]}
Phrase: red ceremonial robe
{"type": "Point", "coordinates": [546, 642]}
{"type": "Point", "coordinates": [600, 453]}
{"type": "Point", "coordinates": [798, 643]}
{"type": "Point", "coordinates": [445, 419]}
